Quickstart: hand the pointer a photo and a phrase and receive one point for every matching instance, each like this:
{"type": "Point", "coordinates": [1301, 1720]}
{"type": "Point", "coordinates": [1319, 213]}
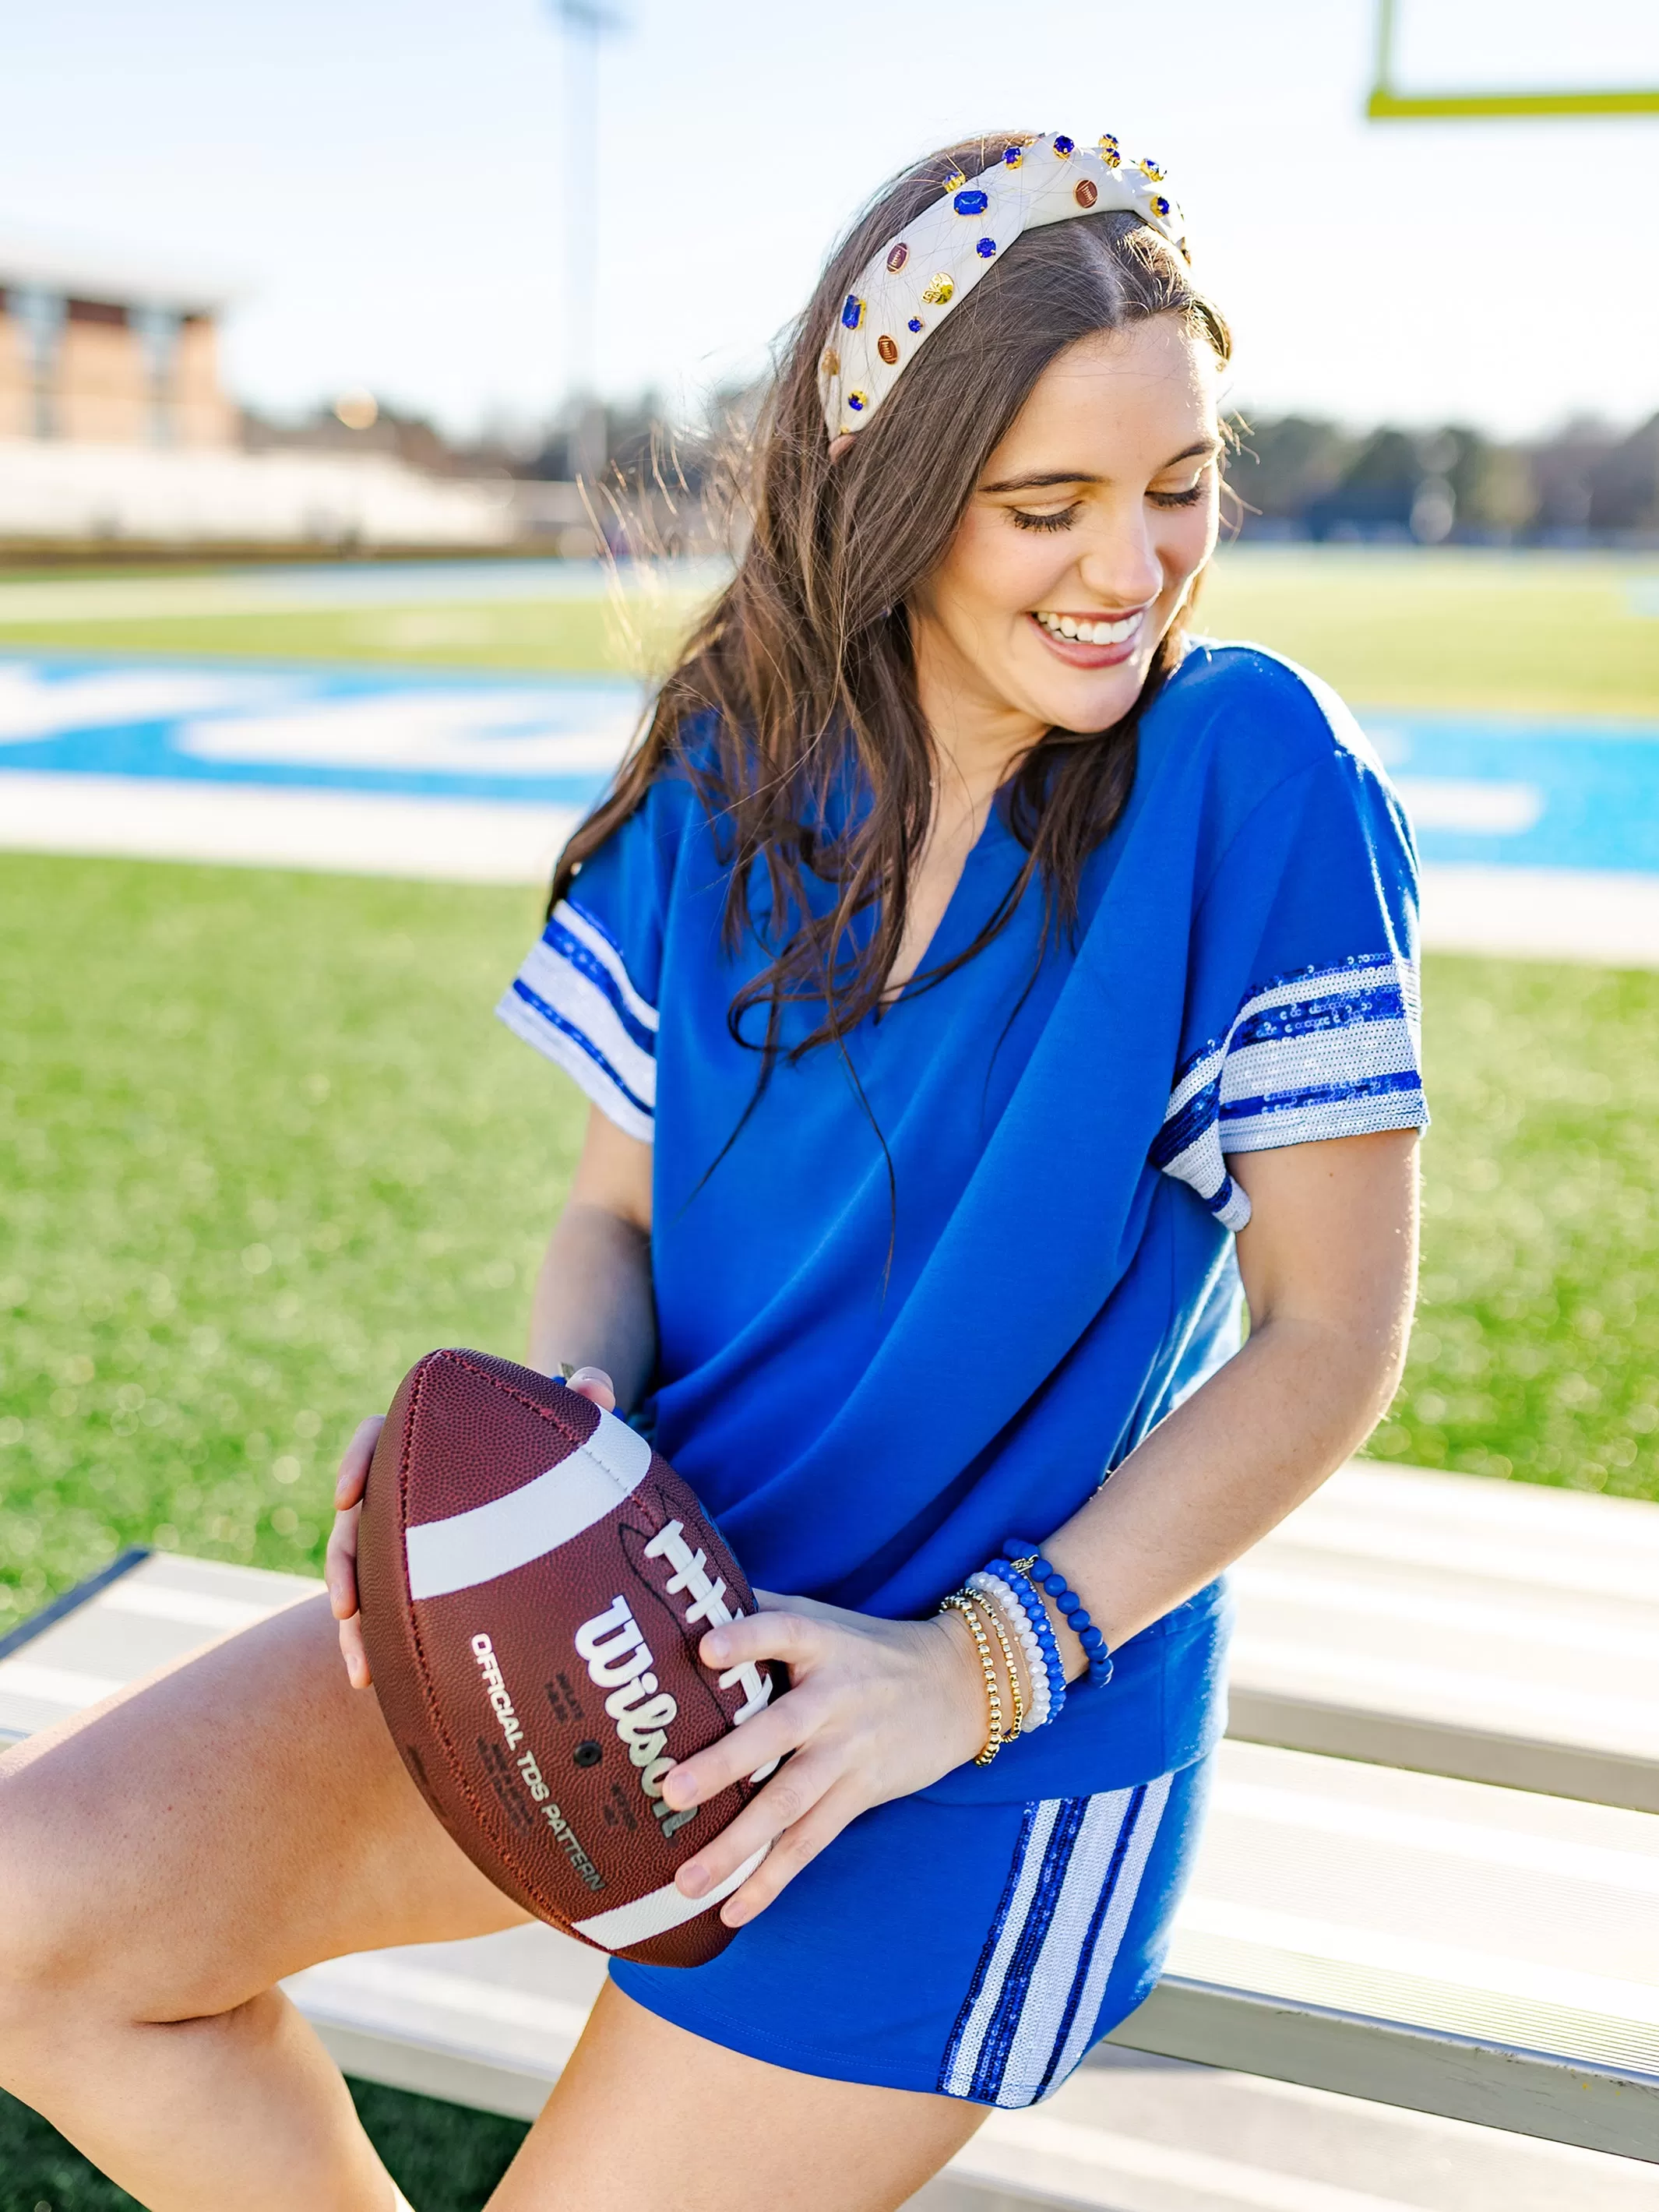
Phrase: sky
{"type": "Point", "coordinates": [384, 183]}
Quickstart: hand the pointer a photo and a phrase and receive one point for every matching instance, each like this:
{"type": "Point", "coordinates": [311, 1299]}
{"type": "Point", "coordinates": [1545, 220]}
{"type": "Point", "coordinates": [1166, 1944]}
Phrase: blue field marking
{"type": "Point", "coordinates": [544, 740]}
{"type": "Point", "coordinates": [1499, 789]}
{"type": "Point", "coordinates": [1526, 793]}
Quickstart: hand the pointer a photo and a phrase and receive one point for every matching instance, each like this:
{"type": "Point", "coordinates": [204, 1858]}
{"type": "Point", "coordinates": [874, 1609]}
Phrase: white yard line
{"type": "Point", "coordinates": [275, 826]}
{"type": "Point", "coordinates": [1543, 914]}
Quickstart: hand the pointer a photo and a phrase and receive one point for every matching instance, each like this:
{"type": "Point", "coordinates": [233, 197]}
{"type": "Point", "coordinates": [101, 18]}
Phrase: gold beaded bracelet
{"type": "Point", "coordinates": [987, 1606]}
{"type": "Point", "coordinates": [959, 1601]}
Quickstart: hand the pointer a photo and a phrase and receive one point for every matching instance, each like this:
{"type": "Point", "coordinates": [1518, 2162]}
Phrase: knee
{"type": "Point", "coordinates": [48, 1932]}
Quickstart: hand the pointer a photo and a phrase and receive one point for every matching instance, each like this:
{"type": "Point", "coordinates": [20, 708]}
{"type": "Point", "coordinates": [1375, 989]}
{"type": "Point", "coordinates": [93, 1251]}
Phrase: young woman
{"type": "Point", "coordinates": [974, 977]}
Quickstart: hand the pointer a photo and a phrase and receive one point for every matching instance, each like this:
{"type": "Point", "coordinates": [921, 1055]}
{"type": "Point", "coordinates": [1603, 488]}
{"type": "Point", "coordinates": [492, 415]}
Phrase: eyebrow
{"type": "Point", "coordinates": [1044, 479]}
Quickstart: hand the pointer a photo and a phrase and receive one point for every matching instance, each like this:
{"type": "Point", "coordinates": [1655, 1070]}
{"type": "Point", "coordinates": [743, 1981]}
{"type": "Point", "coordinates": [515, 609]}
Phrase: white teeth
{"type": "Point", "coordinates": [1090, 632]}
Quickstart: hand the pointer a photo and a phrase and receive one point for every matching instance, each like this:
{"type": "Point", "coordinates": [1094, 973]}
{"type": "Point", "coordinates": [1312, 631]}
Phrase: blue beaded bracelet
{"type": "Point", "coordinates": [1023, 1594]}
{"type": "Point", "coordinates": [1026, 1560]}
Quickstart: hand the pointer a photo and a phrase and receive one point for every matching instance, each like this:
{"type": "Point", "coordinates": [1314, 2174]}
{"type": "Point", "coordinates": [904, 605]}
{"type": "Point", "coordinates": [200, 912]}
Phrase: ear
{"type": "Point", "coordinates": [841, 446]}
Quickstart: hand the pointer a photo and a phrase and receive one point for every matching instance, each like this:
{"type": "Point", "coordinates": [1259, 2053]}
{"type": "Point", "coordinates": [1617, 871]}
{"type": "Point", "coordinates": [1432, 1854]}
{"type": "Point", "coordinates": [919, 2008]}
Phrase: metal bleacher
{"type": "Point", "coordinates": [1429, 1880]}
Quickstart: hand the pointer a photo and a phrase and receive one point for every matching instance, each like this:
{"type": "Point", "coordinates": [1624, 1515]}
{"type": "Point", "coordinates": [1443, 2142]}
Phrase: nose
{"type": "Point", "coordinates": [1120, 567]}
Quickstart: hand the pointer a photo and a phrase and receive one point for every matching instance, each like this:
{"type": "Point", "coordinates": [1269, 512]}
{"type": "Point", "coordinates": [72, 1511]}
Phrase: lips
{"type": "Point", "coordinates": [1091, 640]}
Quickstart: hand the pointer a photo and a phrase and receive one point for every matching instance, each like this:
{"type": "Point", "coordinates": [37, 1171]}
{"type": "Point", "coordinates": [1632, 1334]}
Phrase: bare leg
{"type": "Point", "coordinates": [646, 2116]}
{"type": "Point", "coordinates": [167, 1857]}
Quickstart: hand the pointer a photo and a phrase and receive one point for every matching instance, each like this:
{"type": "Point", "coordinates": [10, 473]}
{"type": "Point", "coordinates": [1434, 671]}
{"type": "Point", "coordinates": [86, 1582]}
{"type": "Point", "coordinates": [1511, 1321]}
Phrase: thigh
{"type": "Point", "coordinates": [721, 2132]}
{"type": "Point", "coordinates": [226, 1822]}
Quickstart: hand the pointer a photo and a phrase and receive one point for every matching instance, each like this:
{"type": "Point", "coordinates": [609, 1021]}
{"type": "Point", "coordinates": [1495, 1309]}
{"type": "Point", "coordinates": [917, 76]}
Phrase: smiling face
{"type": "Point", "coordinates": [1079, 545]}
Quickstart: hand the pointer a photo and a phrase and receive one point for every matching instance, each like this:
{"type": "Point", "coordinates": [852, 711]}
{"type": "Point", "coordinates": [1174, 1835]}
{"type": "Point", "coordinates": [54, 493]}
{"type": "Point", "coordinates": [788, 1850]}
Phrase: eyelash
{"type": "Point", "coordinates": [1026, 520]}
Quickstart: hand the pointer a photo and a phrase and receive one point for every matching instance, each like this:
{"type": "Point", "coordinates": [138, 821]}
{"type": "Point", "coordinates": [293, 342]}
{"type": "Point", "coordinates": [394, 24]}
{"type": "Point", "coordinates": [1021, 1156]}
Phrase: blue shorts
{"type": "Point", "coordinates": [972, 1951]}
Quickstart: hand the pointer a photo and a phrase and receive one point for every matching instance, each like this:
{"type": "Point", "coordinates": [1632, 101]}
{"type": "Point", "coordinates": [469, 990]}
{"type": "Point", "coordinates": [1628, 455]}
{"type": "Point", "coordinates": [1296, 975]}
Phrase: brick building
{"type": "Point", "coordinates": [107, 356]}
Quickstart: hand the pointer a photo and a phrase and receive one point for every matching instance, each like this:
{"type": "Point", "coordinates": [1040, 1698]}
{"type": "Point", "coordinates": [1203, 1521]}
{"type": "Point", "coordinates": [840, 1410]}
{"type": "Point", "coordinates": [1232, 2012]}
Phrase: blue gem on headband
{"type": "Point", "coordinates": [916, 322]}
{"type": "Point", "coordinates": [986, 248]}
{"type": "Point", "coordinates": [855, 401]}
{"type": "Point", "coordinates": [971, 202]}
{"type": "Point", "coordinates": [852, 314]}
{"type": "Point", "coordinates": [1065, 146]}
{"type": "Point", "coordinates": [1012, 156]}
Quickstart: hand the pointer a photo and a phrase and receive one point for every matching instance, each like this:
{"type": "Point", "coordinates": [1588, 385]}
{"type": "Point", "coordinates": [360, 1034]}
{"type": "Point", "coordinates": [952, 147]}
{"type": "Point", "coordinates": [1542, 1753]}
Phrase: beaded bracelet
{"type": "Point", "coordinates": [1036, 1614]}
{"type": "Point", "coordinates": [1008, 1620]}
{"type": "Point", "coordinates": [1012, 1613]}
{"type": "Point", "coordinates": [959, 1601]}
{"type": "Point", "coordinates": [994, 1617]}
{"type": "Point", "coordinates": [1028, 1560]}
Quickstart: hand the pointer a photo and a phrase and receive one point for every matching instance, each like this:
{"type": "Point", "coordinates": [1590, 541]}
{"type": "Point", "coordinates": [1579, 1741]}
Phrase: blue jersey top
{"type": "Point", "coordinates": [1243, 977]}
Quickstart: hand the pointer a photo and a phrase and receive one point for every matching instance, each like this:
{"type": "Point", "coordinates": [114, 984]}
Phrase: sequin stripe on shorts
{"type": "Point", "coordinates": [1042, 1972]}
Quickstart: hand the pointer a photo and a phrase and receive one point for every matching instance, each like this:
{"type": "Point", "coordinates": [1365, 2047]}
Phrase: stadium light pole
{"type": "Point", "coordinates": [583, 23]}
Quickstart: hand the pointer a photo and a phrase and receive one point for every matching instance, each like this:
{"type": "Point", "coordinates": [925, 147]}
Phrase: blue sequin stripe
{"type": "Point", "coordinates": [551, 1015]}
{"type": "Point", "coordinates": [1329, 973]}
{"type": "Point", "coordinates": [988, 1952]}
{"type": "Point", "coordinates": [1027, 1949]}
{"type": "Point", "coordinates": [1321, 1094]}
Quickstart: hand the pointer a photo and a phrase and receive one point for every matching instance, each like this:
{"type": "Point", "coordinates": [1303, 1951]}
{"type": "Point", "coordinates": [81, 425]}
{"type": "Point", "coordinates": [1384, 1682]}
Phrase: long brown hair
{"type": "Point", "coordinates": [802, 670]}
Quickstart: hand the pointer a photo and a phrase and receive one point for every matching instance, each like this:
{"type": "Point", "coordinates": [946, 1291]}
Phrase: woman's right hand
{"type": "Point", "coordinates": [340, 1567]}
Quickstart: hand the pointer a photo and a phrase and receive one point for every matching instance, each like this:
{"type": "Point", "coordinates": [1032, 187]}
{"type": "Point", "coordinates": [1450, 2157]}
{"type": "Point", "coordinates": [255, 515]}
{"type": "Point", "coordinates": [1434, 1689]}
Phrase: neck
{"type": "Point", "coordinates": [977, 736]}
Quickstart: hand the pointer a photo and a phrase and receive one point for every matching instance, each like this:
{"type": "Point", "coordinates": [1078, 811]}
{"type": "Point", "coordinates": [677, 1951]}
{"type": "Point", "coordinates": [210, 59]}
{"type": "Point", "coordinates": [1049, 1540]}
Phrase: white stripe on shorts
{"type": "Point", "coordinates": [1043, 1978]}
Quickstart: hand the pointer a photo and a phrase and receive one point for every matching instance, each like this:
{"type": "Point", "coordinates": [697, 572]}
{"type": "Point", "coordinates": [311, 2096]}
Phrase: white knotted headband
{"type": "Point", "coordinates": [920, 276]}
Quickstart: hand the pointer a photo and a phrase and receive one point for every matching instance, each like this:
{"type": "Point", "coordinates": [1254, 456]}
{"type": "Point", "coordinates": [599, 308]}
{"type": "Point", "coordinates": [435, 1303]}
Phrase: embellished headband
{"type": "Point", "coordinates": [916, 279]}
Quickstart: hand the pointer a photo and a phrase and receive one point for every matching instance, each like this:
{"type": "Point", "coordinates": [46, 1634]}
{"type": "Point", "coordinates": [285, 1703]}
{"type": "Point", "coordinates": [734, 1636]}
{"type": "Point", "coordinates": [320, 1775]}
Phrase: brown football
{"type": "Point", "coordinates": [534, 1581]}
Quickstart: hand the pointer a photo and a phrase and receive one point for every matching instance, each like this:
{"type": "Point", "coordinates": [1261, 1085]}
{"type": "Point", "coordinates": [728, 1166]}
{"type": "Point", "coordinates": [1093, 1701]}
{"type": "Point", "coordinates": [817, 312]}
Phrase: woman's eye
{"type": "Point", "coordinates": [1189, 497]}
{"type": "Point", "coordinates": [1062, 520]}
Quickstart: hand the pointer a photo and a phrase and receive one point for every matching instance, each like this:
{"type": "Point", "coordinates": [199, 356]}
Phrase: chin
{"type": "Point", "coordinates": [1090, 705]}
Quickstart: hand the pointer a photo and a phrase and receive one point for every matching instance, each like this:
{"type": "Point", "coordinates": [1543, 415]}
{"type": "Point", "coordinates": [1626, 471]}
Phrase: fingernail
{"type": "Point", "coordinates": [589, 1375]}
{"type": "Point", "coordinates": [714, 1645]}
{"type": "Point", "coordinates": [693, 1879]}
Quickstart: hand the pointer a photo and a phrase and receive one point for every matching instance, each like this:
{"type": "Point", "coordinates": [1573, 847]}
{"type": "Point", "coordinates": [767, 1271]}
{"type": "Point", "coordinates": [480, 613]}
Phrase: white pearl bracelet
{"type": "Point", "coordinates": [996, 1592]}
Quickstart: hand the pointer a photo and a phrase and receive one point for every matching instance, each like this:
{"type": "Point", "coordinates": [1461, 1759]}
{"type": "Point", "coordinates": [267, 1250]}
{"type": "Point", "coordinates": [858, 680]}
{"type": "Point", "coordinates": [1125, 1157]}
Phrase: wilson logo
{"type": "Point", "coordinates": [619, 1661]}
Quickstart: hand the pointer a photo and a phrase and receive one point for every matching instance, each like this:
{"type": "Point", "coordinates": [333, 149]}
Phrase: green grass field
{"type": "Point", "coordinates": [265, 1144]}
{"type": "Point", "coordinates": [261, 1144]}
{"type": "Point", "coordinates": [1521, 633]}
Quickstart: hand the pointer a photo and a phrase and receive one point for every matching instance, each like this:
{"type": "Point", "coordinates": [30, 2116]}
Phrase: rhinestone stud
{"type": "Point", "coordinates": [852, 314]}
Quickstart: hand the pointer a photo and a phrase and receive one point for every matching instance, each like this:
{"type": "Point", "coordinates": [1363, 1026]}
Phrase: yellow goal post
{"type": "Point", "coordinates": [1386, 104]}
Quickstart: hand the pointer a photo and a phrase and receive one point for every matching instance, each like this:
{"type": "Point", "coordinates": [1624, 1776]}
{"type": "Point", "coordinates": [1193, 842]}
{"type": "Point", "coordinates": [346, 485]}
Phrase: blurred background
{"type": "Point", "coordinates": [347, 352]}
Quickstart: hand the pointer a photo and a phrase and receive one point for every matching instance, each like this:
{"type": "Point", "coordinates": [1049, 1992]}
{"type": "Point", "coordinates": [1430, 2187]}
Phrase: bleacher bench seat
{"type": "Point", "coordinates": [1408, 1936]}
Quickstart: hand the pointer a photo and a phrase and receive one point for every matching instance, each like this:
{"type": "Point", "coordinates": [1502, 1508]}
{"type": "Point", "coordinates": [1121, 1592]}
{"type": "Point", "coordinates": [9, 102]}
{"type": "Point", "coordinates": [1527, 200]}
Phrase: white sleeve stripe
{"type": "Point", "coordinates": [579, 1003]}
{"type": "Point", "coordinates": [1329, 1053]}
{"type": "Point", "coordinates": [1360, 1116]}
{"type": "Point", "coordinates": [587, 932]}
{"type": "Point", "coordinates": [1383, 1047]}
{"type": "Point", "coordinates": [1318, 988]}
{"type": "Point", "coordinates": [589, 1075]}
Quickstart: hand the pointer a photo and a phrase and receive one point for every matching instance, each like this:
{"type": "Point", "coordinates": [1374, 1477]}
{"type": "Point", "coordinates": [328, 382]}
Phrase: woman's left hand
{"type": "Point", "coordinates": [876, 1709]}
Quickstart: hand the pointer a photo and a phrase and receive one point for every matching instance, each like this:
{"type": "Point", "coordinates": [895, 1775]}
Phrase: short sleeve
{"type": "Point", "coordinates": [585, 993]}
{"type": "Point", "coordinates": [1302, 1020]}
